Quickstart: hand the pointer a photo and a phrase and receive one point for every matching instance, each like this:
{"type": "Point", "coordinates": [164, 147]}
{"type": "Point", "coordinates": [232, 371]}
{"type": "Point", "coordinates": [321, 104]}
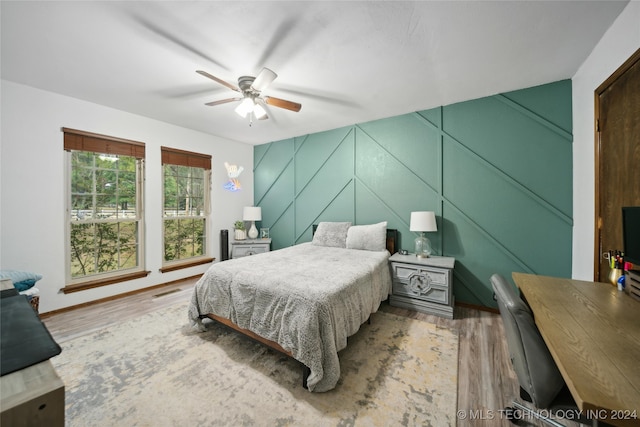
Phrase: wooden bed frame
{"type": "Point", "coordinates": [392, 239]}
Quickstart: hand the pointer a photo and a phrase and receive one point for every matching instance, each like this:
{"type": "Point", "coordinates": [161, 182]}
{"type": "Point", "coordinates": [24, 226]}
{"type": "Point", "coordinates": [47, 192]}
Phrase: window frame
{"type": "Point", "coordinates": [77, 140]}
{"type": "Point", "coordinates": [174, 156]}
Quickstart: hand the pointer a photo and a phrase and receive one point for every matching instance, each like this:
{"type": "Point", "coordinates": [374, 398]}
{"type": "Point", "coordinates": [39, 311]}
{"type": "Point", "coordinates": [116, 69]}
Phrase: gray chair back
{"type": "Point", "coordinates": [537, 372]}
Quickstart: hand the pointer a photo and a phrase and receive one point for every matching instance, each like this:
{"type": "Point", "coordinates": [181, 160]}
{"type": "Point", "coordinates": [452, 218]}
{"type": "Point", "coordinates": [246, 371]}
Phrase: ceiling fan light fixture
{"type": "Point", "coordinates": [259, 112]}
{"type": "Point", "coordinates": [245, 107]}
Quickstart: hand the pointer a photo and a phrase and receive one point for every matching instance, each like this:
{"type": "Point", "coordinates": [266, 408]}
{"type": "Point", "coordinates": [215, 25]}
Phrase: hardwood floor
{"type": "Point", "coordinates": [486, 381]}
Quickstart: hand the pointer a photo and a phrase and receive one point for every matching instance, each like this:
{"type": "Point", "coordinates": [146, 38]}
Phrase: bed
{"type": "Point", "coordinates": [304, 300]}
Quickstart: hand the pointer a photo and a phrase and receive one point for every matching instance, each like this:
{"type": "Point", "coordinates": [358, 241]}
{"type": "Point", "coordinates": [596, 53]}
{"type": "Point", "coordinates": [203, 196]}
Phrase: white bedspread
{"type": "Point", "coordinates": [307, 298]}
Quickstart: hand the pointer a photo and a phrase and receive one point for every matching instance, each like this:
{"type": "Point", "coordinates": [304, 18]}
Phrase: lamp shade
{"type": "Point", "coordinates": [245, 107]}
{"type": "Point", "coordinates": [252, 213]}
{"type": "Point", "coordinates": [259, 112]}
{"type": "Point", "coordinates": [422, 221]}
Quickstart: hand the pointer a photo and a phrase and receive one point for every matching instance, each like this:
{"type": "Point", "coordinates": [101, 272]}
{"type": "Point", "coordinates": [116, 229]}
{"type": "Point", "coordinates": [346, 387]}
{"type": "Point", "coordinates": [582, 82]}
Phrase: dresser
{"type": "Point", "coordinates": [240, 248]}
{"type": "Point", "coordinates": [423, 284]}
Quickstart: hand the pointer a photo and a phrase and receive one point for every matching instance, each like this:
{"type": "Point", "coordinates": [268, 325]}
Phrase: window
{"type": "Point", "coordinates": [186, 183]}
{"type": "Point", "coordinates": [104, 215]}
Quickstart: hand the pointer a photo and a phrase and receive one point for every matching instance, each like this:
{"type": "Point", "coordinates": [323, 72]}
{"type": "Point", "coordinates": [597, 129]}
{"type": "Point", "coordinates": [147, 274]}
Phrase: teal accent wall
{"type": "Point", "coordinates": [497, 171]}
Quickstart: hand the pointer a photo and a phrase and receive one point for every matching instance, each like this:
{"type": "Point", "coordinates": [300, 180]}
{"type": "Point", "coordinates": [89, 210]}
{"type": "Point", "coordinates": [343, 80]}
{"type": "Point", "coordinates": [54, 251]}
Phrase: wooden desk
{"type": "Point", "coordinates": [593, 333]}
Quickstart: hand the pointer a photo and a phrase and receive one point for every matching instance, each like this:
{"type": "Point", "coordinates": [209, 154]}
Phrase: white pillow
{"type": "Point", "coordinates": [332, 234]}
{"type": "Point", "coordinates": [368, 237]}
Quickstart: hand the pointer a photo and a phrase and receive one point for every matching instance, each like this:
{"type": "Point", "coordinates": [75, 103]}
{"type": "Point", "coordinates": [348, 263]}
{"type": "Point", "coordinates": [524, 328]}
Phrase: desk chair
{"type": "Point", "coordinates": [540, 380]}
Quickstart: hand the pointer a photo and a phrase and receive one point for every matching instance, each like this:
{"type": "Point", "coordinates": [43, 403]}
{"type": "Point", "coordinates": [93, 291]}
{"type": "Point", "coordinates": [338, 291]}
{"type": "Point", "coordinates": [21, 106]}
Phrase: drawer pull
{"type": "Point", "coordinates": [420, 284]}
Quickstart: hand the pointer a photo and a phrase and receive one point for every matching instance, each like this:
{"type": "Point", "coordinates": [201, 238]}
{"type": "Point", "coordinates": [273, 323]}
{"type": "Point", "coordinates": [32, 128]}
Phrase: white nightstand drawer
{"type": "Point", "coordinates": [242, 248]}
{"type": "Point", "coordinates": [240, 251]}
{"type": "Point", "coordinates": [422, 289]}
{"type": "Point", "coordinates": [407, 272]}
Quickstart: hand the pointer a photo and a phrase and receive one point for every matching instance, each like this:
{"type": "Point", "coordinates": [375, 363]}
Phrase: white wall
{"type": "Point", "coordinates": [615, 47]}
{"type": "Point", "coordinates": [32, 186]}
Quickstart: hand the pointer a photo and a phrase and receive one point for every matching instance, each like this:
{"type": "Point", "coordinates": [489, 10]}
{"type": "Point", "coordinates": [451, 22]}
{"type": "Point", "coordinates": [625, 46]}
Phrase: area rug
{"type": "Point", "coordinates": [155, 371]}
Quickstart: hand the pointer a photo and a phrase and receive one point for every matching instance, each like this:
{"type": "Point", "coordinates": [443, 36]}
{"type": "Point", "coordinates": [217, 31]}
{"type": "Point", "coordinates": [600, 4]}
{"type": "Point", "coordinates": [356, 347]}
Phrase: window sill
{"type": "Point", "coordinates": [103, 282]}
{"type": "Point", "coordinates": [187, 264]}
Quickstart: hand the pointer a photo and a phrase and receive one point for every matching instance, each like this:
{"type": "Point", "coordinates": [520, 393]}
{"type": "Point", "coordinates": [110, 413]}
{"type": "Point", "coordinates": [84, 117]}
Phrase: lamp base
{"type": "Point", "coordinates": [253, 231]}
{"type": "Point", "coordinates": [422, 246]}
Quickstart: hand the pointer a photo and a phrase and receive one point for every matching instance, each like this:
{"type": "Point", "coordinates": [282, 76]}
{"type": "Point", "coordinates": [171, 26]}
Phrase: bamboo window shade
{"type": "Point", "coordinates": [93, 142]}
{"type": "Point", "coordinates": [173, 156]}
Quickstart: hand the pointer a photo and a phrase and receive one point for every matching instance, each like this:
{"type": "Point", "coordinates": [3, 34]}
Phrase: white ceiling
{"type": "Point", "coordinates": [345, 62]}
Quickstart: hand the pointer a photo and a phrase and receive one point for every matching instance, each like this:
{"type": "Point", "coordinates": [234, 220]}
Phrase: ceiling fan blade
{"type": "Point", "coordinates": [282, 103]}
{"type": "Point", "coordinates": [263, 79]}
{"type": "Point", "coordinates": [215, 79]}
{"type": "Point", "coordinates": [175, 39]}
{"type": "Point", "coordinates": [222, 101]}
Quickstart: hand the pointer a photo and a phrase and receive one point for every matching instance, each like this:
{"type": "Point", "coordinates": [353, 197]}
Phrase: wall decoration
{"type": "Point", "coordinates": [497, 171]}
{"type": "Point", "coordinates": [233, 172]}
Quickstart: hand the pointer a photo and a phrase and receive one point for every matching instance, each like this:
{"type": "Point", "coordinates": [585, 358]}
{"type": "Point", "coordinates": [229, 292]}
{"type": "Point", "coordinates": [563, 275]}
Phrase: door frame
{"type": "Point", "coordinates": [598, 92]}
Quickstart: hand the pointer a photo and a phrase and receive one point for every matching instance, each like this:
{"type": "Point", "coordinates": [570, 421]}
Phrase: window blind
{"type": "Point", "coordinates": [173, 156]}
{"type": "Point", "coordinates": [87, 141]}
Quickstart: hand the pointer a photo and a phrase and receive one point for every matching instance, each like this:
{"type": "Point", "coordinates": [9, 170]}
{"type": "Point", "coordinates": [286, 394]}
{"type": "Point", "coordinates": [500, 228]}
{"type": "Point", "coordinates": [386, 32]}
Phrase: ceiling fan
{"type": "Point", "coordinates": [252, 102]}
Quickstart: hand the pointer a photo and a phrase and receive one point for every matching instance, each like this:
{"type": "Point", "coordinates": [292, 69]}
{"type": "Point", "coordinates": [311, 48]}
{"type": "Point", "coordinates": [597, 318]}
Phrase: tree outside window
{"type": "Point", "coordinates": [104, 227]}
{"type": "Point", "coordinates": [186, 207]}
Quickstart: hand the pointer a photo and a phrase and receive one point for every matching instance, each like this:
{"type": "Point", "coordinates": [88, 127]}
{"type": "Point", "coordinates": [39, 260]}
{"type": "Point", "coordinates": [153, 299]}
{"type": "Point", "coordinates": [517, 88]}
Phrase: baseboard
{"type": "Point", "coordinates": [477, 307]}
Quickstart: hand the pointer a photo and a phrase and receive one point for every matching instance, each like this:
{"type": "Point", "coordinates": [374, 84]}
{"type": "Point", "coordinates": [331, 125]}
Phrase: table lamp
{"type": "Point", "coordinates": [253, 214]}
{"type": "Point", "coordinates": [423, 221]}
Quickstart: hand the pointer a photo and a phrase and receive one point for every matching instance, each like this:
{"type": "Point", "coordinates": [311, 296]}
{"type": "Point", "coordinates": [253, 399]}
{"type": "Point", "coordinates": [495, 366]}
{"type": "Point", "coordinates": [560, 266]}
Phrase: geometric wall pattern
{"type": "Point", "coordinates": [497, 171]}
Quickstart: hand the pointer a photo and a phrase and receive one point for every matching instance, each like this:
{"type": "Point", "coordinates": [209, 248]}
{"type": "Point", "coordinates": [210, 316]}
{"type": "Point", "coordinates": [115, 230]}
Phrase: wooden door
{"type": "Point", "coordinates": [617, 157]}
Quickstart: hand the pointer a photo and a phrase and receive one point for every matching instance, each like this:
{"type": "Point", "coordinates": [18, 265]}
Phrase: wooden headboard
{"type": "Point", "coordinates": [392, 238]}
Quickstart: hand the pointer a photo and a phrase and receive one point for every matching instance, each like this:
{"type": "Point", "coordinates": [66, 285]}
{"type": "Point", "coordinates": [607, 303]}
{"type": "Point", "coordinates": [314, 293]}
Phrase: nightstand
{"type": "Point", "coordinates": [240, 248]}
{"type": "Point", "coordinates": [423, 284]}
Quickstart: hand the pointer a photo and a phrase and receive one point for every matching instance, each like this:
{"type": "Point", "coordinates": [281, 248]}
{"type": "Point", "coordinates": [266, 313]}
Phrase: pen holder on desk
{"type": "Point", "coordinates": [614, 275]}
